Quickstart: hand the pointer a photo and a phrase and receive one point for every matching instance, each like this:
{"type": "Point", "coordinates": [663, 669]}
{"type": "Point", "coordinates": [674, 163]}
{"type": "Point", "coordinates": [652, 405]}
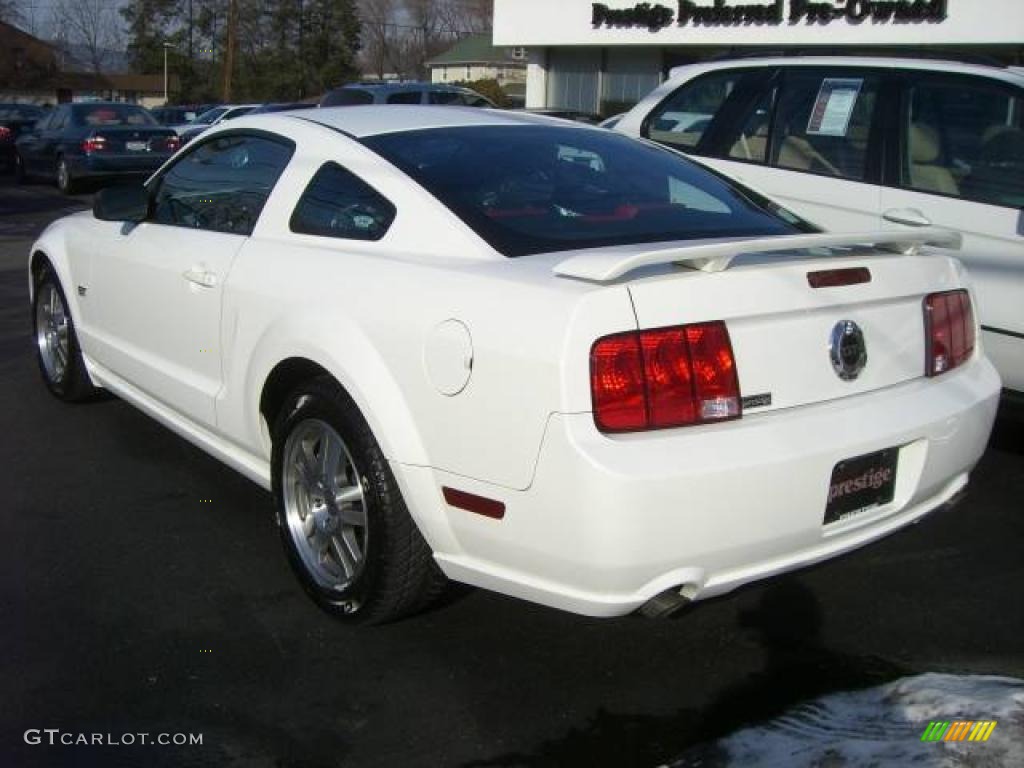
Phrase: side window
{"type": "Point", "coordinates": [347, 97]}
{"type": "Point", "coordinates": [43, 123]}
{"type": "Point", "coordinates": [751, 143]}
{"type": "Point", "coordinates": [823, 122]}
{"type": "Point", "coordinates": [964, 137]}
{"type": "Point", "coordinates": [222, 184]}
{"type": "Point", "coordinates": [337, 203]}
{"type": "Point", "coordinates": [59, 119]}
{"type": "Point", "coordinates": [405, 97]}
{"type": "Point", "coordinates": [445, 97]}
{"type": "Point", "coordinates": [680, 120]}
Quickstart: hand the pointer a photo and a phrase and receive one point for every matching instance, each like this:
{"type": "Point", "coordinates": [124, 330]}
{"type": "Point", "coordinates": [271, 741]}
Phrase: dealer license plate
{"type": "Point", "coordinates": [861, 483]}
{"type": "Point", "coordinates": [136, 146]}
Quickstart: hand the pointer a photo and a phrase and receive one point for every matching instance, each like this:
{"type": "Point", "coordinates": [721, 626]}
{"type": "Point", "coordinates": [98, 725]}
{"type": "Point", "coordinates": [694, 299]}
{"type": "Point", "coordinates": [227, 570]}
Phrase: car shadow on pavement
{"type": "Point", "coordinates": [26, 210]}
{"type": "Point", "coordinates": [1008, 433]}
{"type": "Point", "coordinates": [786, 623]}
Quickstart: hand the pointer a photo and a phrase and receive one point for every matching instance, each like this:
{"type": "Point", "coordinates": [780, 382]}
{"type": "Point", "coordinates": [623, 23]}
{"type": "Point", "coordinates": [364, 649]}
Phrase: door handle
{"type": "Point", "coordinates": [200, 276]}
{"type": "Point", "coordinates": [909, 216]}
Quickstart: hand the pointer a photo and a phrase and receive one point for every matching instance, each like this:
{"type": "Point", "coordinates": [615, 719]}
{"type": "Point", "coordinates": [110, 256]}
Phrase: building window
{"type": "Point", "coordinates": [518, 53]}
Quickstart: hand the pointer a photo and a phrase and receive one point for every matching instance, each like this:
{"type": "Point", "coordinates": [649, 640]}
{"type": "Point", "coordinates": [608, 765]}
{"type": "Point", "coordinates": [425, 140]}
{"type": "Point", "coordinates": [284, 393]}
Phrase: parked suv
{"type": "Point", "coordinates": [856, 143]}
{"type": "Point", "coordinates": [403, 93]}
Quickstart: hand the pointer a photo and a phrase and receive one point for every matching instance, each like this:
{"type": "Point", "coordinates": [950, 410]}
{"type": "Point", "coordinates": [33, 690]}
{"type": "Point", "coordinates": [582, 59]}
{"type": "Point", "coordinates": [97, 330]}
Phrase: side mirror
{"type": "Point", "coordinates": [124, 203]}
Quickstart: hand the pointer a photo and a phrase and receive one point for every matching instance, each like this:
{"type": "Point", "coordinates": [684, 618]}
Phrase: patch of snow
{"type": "Point", "coordinates": [881, 726]}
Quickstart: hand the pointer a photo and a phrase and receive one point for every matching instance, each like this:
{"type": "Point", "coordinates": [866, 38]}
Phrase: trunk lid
{"type": "Point", "coordinates": [784, 331]}
{"type": "Point", "coordinates": [796, 340]}
{"type": "Point", "coordinates": [135, 140]}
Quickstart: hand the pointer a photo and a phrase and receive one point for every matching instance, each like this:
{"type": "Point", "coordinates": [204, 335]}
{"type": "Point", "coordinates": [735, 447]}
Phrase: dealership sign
{"type": "Point", "coordinates": [655, 16]}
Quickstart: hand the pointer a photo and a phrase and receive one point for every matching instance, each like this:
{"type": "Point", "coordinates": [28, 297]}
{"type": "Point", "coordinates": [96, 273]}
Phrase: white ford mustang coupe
{"type": "Point", "coordinates": [529, 355]}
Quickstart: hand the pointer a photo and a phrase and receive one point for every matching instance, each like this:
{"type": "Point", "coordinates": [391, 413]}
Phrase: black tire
{"type": "Point", "coordinates": [398, 575]}
{"type": "Point", "coordinates": [65, 181]}
{"type": "Point", "coordinates": [20, 175]}
{"type": "Point", "coordinates": [72, 383]}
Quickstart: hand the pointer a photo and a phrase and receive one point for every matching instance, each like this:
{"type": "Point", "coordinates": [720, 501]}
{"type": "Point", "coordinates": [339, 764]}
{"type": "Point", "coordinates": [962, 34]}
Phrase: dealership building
{"type": "Point", "coordinates": [603, 57]}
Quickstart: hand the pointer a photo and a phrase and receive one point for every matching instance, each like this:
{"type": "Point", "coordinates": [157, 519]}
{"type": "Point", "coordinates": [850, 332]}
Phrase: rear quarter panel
{"type": "Point", "coordinates": [365, 310]}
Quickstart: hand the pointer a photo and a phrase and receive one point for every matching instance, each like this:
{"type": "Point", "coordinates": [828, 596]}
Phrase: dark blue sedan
{"type": "Point", "coordinates": [14, 119]}
{"type": "Point", "coordinates": [95, 140]}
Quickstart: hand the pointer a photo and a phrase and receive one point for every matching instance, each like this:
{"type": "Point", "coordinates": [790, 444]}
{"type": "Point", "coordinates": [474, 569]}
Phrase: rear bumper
{"type": "Point", "coordinates": [93, 166]}
{"type": "Point", "coordinates": [610, 522]}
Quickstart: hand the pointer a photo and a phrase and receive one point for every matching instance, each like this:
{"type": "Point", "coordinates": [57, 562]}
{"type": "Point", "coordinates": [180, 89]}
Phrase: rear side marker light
{"type": "Point", "coordinates": [833, 278]}
{"type": "Point", "coordinates": [666, 377]}
{"type": "Point", "coordinates": [949, 331]}
{"type": "Point", "coordinates": [470, 502]}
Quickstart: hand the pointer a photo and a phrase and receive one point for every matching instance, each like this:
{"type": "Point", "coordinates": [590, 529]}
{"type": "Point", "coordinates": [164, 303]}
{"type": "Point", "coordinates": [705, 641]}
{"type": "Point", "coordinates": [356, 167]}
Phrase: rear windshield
{"type": "Point", "coordinates": [210, 115]}
{"type": "Point", "coordinates": [19, 112]}
{"type": "Point", "coordinates": [535, 189]}
{"type": "Point", "coordinates": [238, 112]}
{"type": "Point", "coordinates": [112, 114]}
{"type": "Point", "coordinates": [347, 97]}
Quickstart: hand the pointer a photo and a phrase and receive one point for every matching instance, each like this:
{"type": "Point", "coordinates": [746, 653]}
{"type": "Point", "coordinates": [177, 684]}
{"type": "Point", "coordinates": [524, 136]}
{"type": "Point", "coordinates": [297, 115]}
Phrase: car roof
{"type": "Point", "coordinates": [371, 120]}
{"type": "Point", "coordinates": [1011, 74]}
{"type": "Point", "coordinates": [408, 86]}
{"type": "Point", "coordinates": [87, 104]}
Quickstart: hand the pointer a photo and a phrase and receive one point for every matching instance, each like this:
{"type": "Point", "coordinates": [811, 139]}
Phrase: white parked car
{"type": "Point", "coordinates": [872, 143]}
{"type": "Point", "coordinates": [212, 117]}
{"type": "Point", "coordinates": [529, 355]}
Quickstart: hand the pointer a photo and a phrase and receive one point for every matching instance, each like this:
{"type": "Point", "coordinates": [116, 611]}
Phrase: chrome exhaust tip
{"type": "Point", "coordinates": [666, 604]}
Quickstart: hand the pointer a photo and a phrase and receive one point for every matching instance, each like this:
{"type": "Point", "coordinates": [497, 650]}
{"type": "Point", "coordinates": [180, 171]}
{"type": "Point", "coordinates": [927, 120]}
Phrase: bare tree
{"type": "Point", "coordinates": [381, 35]}
{"type": "Point", "coordinates": [10, 12]}
{"type": "Point", "coordinates": [465, 17]}
{"type": "Point", "coordinates": [400, 35]}
{"type": "Point", "coordinates": [480, 14]}
{"type": "Point", "coordinates": [92, 24]}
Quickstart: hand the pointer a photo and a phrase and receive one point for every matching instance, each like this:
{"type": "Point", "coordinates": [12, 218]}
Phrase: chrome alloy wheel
{"type": "Point", "coordinates": [52, 332]}
{"type": "Point", "coordinates": [324, 504]}
{"type": "Point", "coordinates": [63, 175]}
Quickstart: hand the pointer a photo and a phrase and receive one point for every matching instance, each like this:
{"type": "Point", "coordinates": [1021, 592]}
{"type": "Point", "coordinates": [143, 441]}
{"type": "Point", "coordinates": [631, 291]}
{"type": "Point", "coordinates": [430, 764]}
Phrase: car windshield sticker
{"type": "Point", "coordinates": [833, 107]}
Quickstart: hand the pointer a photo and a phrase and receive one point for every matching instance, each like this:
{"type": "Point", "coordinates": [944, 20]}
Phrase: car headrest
{"type": "Point", "coordinates": [924, 144]}
{"type": "Point", "coordinates": [993, 131]}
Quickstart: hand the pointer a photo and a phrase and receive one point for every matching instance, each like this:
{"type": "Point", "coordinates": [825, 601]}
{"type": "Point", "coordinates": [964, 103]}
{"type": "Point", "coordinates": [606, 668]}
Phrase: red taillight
{"type": "Point", "coordinates": [949, 331]}
{"type": "Point", "coordinates": [94, 144]}
{"type": "Point", "coordinates": [669, 377]}
{"type": "Point", "coordinates": [173, 143]}
{"type": "Point", "coordinates": [617, 383]}
{"type": "Point", "coordinates": [715, 384]}
{"type": "Point", "coordinates": [6, 134]}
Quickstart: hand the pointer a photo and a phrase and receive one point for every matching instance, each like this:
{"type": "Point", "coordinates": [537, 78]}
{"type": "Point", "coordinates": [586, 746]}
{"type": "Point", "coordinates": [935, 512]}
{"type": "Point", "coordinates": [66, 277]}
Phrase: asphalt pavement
{"type": "Point", "coordinates": [143, 590]}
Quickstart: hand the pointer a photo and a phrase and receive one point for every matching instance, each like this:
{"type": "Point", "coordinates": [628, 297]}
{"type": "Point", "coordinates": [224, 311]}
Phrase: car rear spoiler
{"type": "Point", "coordinates": [717, 255]}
